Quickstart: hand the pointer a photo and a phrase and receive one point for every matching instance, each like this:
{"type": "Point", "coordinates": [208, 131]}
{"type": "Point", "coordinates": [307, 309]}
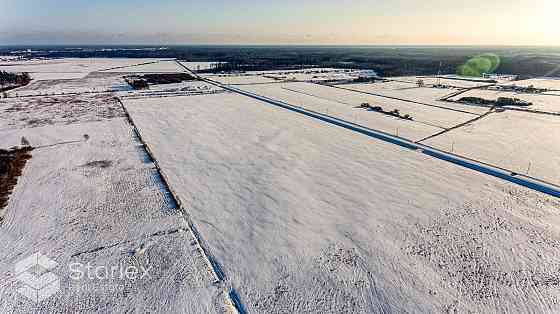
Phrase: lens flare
{"type": "Point", "coordinates": [476, 66]}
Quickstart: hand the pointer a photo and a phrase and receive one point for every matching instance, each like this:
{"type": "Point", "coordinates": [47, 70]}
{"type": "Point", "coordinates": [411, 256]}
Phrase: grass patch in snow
{"type": "Point", "coordinates": [12, 163]}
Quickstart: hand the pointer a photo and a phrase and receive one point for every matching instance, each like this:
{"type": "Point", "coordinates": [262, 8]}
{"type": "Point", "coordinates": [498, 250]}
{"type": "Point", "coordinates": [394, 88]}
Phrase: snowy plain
{"type": "Point", "coordinates": [91, 195]}
{"type": "Point", "coordinates": [67, 68]}
{"type": "Point", "coordinates": [307, 217]}
{"type": "Point", "coordinates": [300, 215]}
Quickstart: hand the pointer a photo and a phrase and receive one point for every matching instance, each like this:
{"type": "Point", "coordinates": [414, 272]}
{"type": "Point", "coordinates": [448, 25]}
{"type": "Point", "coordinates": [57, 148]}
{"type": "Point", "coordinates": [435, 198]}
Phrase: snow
{"type": "Point", "coordinates": [301, 216]}
{"type": "Point", "coordinates": [423, 95]}
{"type": "Point", "coordinates": [40, 111]}
{"type": "Point", "coordinates": [74, 211]}
{"type": "Point", "coordinates": [550, 83]}
{"type": "Point", "coordinates": [68, 67]}
{"type": "Point", "coordinates": [414, 130]}
{"type": "Point", "coordinates": [93, 82]}
{"type": "Point", "coordinates": [198, 66]}
{"type": "Point", "coordinates": [240, 79]}
{"type": "Point", "coordinates": [302, 75]}
{"type": "Point", "coordinates": [46, 76]}
{"type": "Point", "coordinates": [435, 116]}
{"type": "Point", "coordinates": [167, 66]}
{"type": "Point", "coordinates": [307, 217]}
{"type": "Point", "coordinates": [518, 141]}
{"type": "Point", "coordinates": [541, 102]}
{"type": "Point", "coordinates": [449, 80]}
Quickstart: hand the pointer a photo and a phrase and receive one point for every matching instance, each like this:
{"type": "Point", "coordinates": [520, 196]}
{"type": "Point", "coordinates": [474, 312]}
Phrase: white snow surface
{"type": "Point", "coordinates": [241, 79]}
{"type": "Point", "coordinates": [435, 116]}
{"type": "Point", "coordinates": [165, 66]}
{"type": "Point", "coordinates": [67, 67]}
{"type": "Point", "coordinates": [518, 141]}
{"type": "Point", "coordinates": [198, 66]}
{"type": "Point", "coordinates": [345, 109]}
{"type": "Point", "coordinates": [101, 202]}
{"type": "Point", "coordinates": [542, 102]}
{"type": "Point", "coordinates": [92, 82]}
{"type": "Point", "coordinates": [301, 216]}
{"type": "Point", "coordinates": [449, 80]}
{"type": "Point", "coordinates": [307, 217]}
{"type": "Point", "coordinates": [551, 83]}
{"type": "Point", "coordinates": [425, 95]}
{"type": "Point", "coordinates": [41, 111]}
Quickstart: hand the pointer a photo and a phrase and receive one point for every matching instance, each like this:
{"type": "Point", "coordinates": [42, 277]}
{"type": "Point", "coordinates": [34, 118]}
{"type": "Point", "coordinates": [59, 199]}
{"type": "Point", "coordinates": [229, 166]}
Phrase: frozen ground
{"type": "Point", "coordinates": [307, 217]}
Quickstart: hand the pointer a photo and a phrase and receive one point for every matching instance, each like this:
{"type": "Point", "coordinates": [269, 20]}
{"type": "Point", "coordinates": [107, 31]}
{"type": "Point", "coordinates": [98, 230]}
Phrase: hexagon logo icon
{"type": "Point", "coordinates": [38, 283]}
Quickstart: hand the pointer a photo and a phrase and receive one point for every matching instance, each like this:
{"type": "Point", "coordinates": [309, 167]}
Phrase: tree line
{"type": "Point", "coordinates": [9, 79]}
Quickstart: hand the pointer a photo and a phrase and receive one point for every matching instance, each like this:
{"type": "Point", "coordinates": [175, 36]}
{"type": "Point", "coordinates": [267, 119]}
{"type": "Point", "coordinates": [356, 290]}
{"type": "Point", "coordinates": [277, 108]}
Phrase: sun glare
{"type": "Point", "coordinates": [548, 19]}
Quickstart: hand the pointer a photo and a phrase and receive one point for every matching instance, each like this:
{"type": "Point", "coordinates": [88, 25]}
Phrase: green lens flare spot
{"type": "Point", "coordinates": [476, 66]}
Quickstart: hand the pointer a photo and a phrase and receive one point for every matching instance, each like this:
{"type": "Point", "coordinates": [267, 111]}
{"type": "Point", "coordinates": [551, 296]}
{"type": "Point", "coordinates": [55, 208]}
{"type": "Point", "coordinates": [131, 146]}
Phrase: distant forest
{"type": "Point", "coordinates": [385, 60]}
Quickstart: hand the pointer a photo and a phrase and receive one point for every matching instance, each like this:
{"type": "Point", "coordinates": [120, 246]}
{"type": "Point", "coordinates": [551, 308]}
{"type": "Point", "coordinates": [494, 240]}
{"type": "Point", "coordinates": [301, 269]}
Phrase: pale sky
{"type": "Point", "coordinates": [382, 22]}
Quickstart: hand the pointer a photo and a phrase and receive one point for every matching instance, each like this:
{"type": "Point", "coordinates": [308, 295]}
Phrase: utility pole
{"type": "Point", "coordinates": [439, 74]}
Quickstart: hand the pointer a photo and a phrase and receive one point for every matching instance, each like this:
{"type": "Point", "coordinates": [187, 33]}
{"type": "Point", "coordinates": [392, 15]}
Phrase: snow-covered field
{"type": "Point", "coordinates": [99, 201]}
{"type": "Point", "coordinates": [67, 68]}
{"type": "Point", "coordinates": [287, 212]}
{"type": "Point", "coordinates": [526, 143]}
{"type": "Point", "coordinates": [456, 82]}
{"type": "Point", "coordinates": [541, 102]}
{"type": "Point", "coordinates": [164, 66]}
{"type": "Point", "coordinates": [198, 66]}
{"type": "Point", "coordinates": [550, 83]}
{"type": "Point", "coordinates": [307, 217]}
{"type": "Point", "coordinates": [91, 195]}
{"type": "Point", "coordinates": [425, 95]}
{"type": "Point", "coordinates": [303, 75]}
{"type": "Point", "coordinates": [40, 111]}
{"type": "Point", "coordinates": [93, 82]}
{"type": "Point", "coordinates": [435, 116]}
{"type": "Point", "coordinates": [345, 108]}
{"type": "Point", "coordinates": [240, 79]}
